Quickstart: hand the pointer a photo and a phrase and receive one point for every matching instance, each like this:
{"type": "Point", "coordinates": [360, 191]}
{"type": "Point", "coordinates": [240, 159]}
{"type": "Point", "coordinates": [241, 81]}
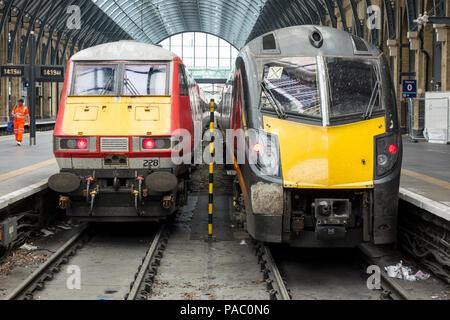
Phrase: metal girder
{"type": "Point", "coordinates": [439, 20]}
{"type": "Point", "coordinates": [330, 9]}
{"type": "Point", "coordinates": [375, 33]}
{"type": "Point", "coordinates": [50, 10]}
{"type": "Point", "coordinates": [314, 15]}
{"type": "Point", "coordinates": [439, 7]}
{"type": "Point", "coordinates": [342, 13]}
{"type": "Point", "coordinates": [411, 14]}
{"type": "Point", "coordinates": [23, 51]}
{"type": "Point", "coordinates": [16, 29]}
{"type": "Point", "coordinates": [59, 15]}
{"type": "Point", "coordinates": [6, 11]}
{"type": "Point", "coordinates": [390, 19]}
{"type": "Point", "coordinates": [98, 19]}
{"type": "Point", "coordinates": [85, 12]}
{"type": "Point", "coordinates": [358, 26]}
{"type": "Point", "coordinates": [231, 20]}
{"type": "Point", "coordinates": [320, 12]}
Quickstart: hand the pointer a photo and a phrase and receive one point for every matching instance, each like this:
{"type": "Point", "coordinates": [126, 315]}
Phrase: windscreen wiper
{"type": "Point", "coordinates": [278, 108]}
{"type": "Point", "coordinates": [131, 88]}
{"type": "Point", "coordinates": [107, 85]}
{"type": "Point", "coordinates": [373, 99]}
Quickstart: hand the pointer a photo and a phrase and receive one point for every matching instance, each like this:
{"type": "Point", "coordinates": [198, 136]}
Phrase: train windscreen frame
{"type": "Point", "coordinates": [354, 87]}
{"type": "Point", "coordinates": [145, 79]}
{"type": "Point", "coordinates": [91, 79]}
{"type": "Point", "coordinates": [290, 86]}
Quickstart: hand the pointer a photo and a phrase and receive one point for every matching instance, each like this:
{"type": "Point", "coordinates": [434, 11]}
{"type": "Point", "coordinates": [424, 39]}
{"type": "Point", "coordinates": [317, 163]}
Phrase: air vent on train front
{"type": "Point", "coordinates": [269, 42]}
{"type": "Point", "coordinates": [359, 45]}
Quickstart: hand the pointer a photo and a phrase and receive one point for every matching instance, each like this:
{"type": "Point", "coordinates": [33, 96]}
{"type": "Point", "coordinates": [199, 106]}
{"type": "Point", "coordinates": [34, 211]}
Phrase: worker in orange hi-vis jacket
{"type": "Point", "coordinates": [20, 114]}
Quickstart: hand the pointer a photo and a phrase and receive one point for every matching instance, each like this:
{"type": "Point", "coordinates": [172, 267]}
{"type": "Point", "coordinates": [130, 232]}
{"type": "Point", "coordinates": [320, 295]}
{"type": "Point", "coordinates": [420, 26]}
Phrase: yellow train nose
{"type": "Point", "coordinates": [334, 157]}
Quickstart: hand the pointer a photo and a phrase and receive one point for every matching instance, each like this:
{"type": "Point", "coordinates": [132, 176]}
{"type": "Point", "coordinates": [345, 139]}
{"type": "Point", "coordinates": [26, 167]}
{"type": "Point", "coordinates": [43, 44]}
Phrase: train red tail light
{"type": "Point", "coordinates": [257, 147]}
{"type": "Point", "coordinates": [392, 148]}
{"type": "Point", "coordinates": [82, 144]}
{"type": "Point", "coordinates": [148, 144]}
{"type": "Point", "coordinates": [387, 153]}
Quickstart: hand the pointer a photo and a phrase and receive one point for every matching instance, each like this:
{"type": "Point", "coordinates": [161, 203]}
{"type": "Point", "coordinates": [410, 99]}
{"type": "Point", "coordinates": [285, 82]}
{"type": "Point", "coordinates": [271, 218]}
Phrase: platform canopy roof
{"type": "Point", "coordinates": [236, 21]}
{"type": "Point", "coordinates": [154, 20]}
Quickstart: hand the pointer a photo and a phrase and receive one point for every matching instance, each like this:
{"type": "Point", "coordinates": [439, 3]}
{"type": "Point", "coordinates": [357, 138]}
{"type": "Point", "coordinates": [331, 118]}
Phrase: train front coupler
{"type": "Point", "coordinates": [331, 216]}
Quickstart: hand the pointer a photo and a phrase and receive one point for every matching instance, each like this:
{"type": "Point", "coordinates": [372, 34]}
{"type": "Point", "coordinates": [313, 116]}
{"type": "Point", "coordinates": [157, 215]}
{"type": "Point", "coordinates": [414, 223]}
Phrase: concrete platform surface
{"type": "Point", "coordinates": [425, 179]}
{"type": "Point", "coordinates": [25, 166]}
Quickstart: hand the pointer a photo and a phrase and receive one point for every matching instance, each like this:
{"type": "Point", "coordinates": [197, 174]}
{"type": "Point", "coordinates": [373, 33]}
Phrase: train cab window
{"type": "Point", "coordinates": [290, 86]}
{"type": "Point", "coordinates": [93, 80]}
{"type": "Point", "coordinates": [354, 87]}
{"type": "Point", "coordinates": [145, 80]}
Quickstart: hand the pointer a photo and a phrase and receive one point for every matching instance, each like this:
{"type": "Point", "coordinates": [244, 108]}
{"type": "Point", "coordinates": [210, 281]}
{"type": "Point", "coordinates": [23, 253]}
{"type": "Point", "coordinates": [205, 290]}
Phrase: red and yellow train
{"type": "Point", "coordinates": [114, 134]}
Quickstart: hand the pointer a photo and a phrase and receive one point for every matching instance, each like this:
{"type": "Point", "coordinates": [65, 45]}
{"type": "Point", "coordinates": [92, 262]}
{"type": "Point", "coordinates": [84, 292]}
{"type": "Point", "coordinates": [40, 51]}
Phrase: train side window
{"type": "Point", "coordinates": [184, 90]}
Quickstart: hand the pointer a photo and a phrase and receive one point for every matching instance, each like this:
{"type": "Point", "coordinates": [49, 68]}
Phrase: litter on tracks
{"type": "Point", "coordinates": [400, 271]}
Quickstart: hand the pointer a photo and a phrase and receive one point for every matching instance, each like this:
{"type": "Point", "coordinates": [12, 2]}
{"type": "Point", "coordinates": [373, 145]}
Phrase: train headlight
{"type": "Point", "coordinates": [264, 153]}
{"type": "Point", "coordinates": [153, 143]}
{"type": "Point", "coordinates": [82, 144]}
{"type": "Point", "coordinates": [75, 144]}
{"type": "Point", "coordinates": [387, 151]}
{"type": "Point", "coordinates": [382, 159]}
{"type": "Point", "coordinates": [148, 143]}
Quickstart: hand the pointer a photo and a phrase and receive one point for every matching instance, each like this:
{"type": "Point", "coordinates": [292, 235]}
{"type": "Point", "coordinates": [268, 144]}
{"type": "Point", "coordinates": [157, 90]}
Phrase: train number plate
{"type": "Point", "coordinates": [151, 163]}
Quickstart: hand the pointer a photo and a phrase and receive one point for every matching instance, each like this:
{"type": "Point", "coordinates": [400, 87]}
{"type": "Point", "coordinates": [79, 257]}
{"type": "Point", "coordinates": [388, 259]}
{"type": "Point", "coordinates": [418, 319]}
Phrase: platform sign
{"type": "Point", "coordinates": [409, 89]}
{"type": "Point", "coordinates": [12, 71]}
{"type": "Point", "coordinates": [49, 73]}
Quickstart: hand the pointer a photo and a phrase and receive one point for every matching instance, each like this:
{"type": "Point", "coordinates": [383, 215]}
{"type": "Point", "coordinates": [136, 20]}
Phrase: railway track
{"type": "Point", "coordinates": [272, 276]}
{"type": "Point", "coordinates": [44, 280]}
{"type": "Point", "coordinates": [46, 272]}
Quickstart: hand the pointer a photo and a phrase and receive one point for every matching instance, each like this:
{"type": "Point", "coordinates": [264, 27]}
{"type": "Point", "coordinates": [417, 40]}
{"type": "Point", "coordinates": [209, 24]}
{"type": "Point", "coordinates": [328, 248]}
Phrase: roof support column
{"type": "Point", "coordinates": [443, 36]}
{"type": "Point", "coordinates": [419, 67]}
{"type": "Point", "coordinates": [4, 101]}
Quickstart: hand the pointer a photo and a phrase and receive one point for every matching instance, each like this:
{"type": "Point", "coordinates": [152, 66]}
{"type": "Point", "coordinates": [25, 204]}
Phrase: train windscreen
{"type": "Point", "coordinates": [290, 86]}
{"type": "Point", "coordinates": [354, 86]}
{"type": "Point", "coordinates": [94, 80]}
{"type": "Point", "coordinates": [145, 80]}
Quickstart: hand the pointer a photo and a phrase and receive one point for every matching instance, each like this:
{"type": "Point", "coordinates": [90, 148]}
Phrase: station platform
{"type": "Point", "coordinates": [425, 180]}
{"type": "Point", "coordinates": [24, 170]}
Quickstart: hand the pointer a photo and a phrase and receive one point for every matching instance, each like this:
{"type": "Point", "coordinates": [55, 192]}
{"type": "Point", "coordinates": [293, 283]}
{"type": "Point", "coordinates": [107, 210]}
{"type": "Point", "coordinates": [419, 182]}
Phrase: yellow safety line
{"type": "Point", "coordinates": [437, 182]}
{"type": "Point", "coordinates": [33, 167]}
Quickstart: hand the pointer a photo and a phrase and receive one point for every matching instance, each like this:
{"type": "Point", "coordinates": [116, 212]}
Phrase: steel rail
{"type": "Point", "coordinates": [272, 276]}
{"type": "Point", "coordinates": [145, 264]}
{"type": "Point", "coordinates": [282, 290]}
{"type": "Point", "coordinates": [389, 283]}
{"type": "Point", "coordinates": [35, 276]}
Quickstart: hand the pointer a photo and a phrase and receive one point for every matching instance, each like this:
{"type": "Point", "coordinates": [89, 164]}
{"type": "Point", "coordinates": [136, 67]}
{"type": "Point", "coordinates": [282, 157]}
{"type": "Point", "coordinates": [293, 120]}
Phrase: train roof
{"type": "Point", "coordinates": [124, 50]}
{"type": "Point", "coordinates": [310, 40]}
